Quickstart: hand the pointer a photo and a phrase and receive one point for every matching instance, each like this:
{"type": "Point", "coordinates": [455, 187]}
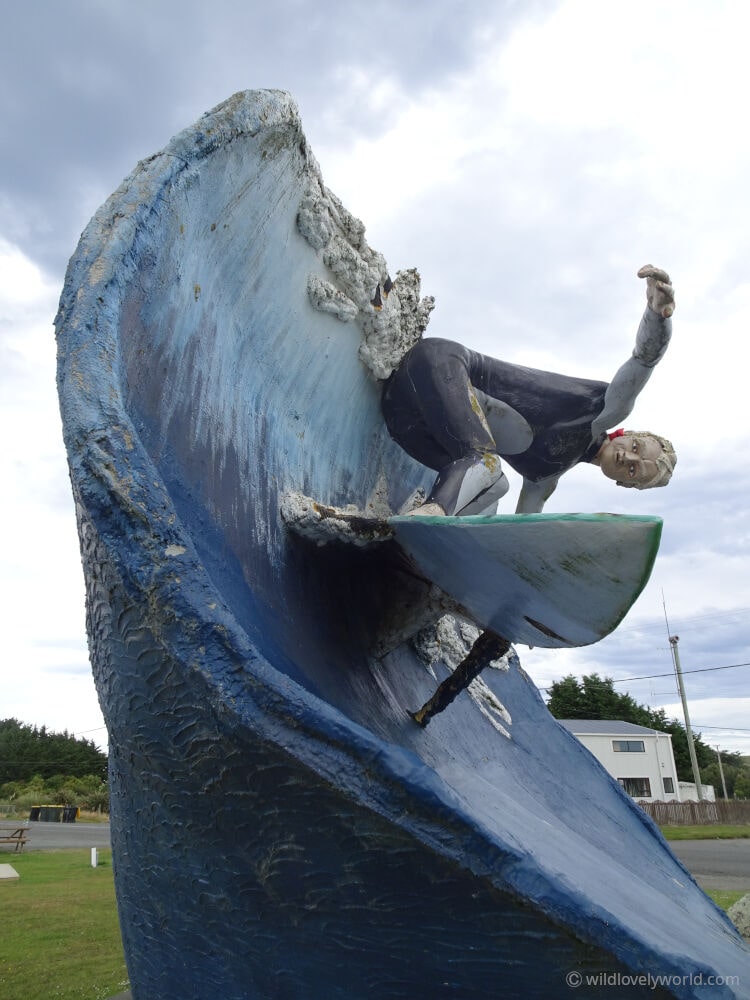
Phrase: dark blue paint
{"type": "Point", "coordinates": [281, 828]}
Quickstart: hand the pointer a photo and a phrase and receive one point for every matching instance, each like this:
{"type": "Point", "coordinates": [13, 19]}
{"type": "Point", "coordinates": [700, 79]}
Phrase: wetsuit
{"type": "Point", "coordinates": [438, 402]}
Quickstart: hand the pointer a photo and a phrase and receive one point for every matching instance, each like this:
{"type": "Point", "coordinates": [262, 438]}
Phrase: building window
{"type": "Point", "coordinates": [668, 786]}
{"type": "Point", "coordinates": [639, 788]}
{"type": "Point", "coordinates": [628, 746]}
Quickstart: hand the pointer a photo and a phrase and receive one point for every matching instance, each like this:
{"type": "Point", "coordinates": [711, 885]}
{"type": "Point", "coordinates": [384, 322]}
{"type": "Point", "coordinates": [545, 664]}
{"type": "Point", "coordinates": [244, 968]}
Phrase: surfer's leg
{"type": "Point", "coordinates": [430, 407]}
{"type": "Point", "coordinates": [470, 485]}
{"type": "Point", "coordinates": [431, 410]}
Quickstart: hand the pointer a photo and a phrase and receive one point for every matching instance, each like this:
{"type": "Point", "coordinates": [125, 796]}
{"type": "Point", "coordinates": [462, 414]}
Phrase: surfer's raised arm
{"type": "Point", "coordinates": [652, 340]}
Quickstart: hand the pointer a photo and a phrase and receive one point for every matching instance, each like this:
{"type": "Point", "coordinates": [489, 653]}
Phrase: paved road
{"type": "Point", "coordinates": [46, 836]}
{"type": "Point", "coordinates": [716, 864]}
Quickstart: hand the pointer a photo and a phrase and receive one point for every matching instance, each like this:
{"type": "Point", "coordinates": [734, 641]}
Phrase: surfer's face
{"type": "Point", "coordinates": [630, 459]}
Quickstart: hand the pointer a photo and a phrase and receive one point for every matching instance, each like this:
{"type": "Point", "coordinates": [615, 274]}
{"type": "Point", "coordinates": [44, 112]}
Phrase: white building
{"type": "Point", "coordinates": [640, 759]}
{"type": "Point", "coordinates": [689, 793]}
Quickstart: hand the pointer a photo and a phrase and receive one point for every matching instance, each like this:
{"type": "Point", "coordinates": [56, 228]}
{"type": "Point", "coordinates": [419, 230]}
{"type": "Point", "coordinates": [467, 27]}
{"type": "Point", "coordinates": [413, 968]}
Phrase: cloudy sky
{"type": "Point", "coordinates": [527, 157]}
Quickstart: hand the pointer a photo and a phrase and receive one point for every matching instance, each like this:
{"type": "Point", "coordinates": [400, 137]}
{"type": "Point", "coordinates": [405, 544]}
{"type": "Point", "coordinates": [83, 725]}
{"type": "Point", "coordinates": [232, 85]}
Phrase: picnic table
{"type": "Point", "coordinates": [15, 833]}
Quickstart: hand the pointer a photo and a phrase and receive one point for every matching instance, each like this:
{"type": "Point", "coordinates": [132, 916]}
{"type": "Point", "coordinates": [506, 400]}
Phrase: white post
{"type": "Point", "coordinates": [94, 857]}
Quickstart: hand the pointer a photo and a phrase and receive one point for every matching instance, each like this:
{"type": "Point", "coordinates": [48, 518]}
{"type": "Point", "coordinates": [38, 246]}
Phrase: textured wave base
{"type": "Point", "coordinates": [281, 828]}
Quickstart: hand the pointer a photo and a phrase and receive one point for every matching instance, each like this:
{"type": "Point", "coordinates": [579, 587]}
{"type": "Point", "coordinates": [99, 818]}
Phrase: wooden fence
{"type": "Point", "coordinates": [697, 813]}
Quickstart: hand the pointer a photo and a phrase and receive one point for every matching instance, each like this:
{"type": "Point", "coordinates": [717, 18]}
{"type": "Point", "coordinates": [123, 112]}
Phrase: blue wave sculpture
{"type": "Point", "coordinates": [281, 827]}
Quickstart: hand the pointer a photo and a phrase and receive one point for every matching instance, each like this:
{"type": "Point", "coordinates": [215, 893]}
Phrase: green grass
{"type": "Point", "coordinates": [60, 935]}
{"type": "Point", "coordinates": [712, 831]}
{"type": "Point", "coordinates": [724, 897]}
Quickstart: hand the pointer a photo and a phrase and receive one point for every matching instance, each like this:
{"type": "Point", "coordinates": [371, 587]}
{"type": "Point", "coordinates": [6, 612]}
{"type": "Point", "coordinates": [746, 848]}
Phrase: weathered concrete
{"type": "Point", "coordinates": [739, 914]}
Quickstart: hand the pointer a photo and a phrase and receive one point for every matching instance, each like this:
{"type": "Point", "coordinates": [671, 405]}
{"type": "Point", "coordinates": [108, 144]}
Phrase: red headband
{"type": "Point", "coordinates": [616, 434]}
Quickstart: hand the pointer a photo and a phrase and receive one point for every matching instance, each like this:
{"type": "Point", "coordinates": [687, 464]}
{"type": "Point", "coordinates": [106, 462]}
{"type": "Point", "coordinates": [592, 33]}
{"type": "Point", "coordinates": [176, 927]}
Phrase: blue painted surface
{"type": "Point", "coordinates": [281, 828]}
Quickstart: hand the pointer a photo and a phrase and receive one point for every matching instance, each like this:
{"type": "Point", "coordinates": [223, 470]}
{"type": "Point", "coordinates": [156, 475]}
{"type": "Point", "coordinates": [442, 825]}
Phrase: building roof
{"type": "Point", "coordinates": [606, 727]}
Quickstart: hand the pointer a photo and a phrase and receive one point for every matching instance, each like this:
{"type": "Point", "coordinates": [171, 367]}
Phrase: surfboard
{"type": "Point", "coordinates": [550, 580]}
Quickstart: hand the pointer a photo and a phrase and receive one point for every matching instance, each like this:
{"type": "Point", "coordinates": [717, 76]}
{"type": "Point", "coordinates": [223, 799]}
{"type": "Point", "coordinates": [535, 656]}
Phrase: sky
{"type": "Point", "coordinates": [528, 156]}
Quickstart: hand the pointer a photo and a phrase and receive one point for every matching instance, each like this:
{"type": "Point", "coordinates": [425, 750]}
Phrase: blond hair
{"type": "Point", "coordinates": [665, 463]}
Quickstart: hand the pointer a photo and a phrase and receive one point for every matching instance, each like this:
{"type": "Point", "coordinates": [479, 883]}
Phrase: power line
{"type": "Point", "coordinates": [698, 670]}
{"type": "Point", "coordinates": [728, 729]}
{"type": "Point", "coordinates": [648, 677]}
{"type": "Point", "coordinates": [686, 620]}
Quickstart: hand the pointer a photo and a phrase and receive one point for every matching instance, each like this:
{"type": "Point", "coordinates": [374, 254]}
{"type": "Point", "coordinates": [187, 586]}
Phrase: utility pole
{"type": "Point", "coordinates": [721, 772]}
{"type": "Point", "coordinates": [673, 640]}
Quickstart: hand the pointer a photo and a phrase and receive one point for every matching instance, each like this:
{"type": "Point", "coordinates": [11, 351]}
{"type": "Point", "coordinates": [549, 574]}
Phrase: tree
{"type": "Point", "coordinates": [742, 784]}
{"type": "Point", "coordinates": [567, 700]}
{"type": "Point", "coordinates": [594, 697]}
{"type": "Point", "coordinates": [28, 750]}
{"type": "Point", "coordinates": [88, 792]}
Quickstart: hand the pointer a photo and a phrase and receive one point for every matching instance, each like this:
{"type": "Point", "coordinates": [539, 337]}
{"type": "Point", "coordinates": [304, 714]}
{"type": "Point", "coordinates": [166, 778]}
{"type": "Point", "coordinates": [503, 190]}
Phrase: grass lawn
{"type": "Point", "coordinates": [712, 831]}
{"type": "Point", "coordinates": [724, 897]}
{"type": "Point", "coordinates": [60, 935]}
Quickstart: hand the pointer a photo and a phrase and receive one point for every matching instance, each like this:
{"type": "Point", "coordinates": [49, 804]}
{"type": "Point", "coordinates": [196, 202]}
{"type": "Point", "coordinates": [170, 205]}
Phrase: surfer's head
{"type": "Point", "coordinates": [637, 459]}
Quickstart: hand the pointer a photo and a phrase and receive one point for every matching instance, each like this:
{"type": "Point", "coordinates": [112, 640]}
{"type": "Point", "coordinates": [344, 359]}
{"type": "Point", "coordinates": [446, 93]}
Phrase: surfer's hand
{"type": "Point", "coordinates": [659, 291]}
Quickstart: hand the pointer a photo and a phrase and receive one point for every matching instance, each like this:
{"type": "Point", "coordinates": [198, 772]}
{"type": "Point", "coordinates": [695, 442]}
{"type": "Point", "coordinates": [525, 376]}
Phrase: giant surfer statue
{"type": "Point", "coordinates": [272, 805]}
{"type": "Point", "coordinates": [462, 414]}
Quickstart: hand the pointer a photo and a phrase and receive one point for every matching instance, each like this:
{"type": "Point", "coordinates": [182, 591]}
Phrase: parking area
{"type": "Point", "coordinates": [56, 836]}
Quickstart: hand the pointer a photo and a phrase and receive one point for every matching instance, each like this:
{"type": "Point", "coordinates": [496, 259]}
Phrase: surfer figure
{"type": "Point", "coordinates": [463, 414]}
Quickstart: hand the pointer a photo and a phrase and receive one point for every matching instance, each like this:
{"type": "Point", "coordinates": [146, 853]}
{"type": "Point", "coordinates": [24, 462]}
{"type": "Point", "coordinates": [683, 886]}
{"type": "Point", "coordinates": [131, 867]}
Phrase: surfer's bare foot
{"type": "Point", "coordinates": [427, 510]}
